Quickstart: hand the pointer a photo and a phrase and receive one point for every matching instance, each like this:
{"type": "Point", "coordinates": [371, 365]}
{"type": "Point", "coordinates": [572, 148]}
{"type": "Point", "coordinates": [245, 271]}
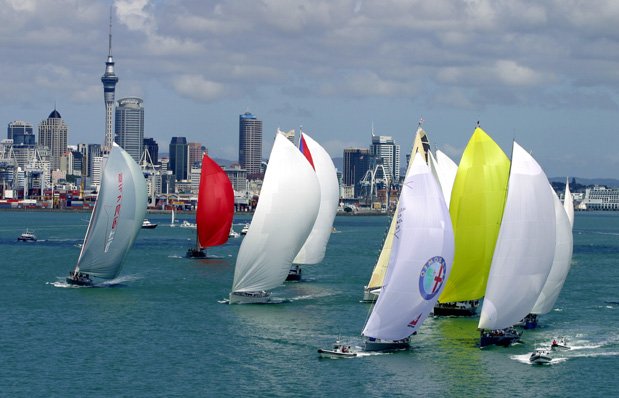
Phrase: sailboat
{"type": "Point", "coordinates": [524, 251]}
{"type": "Point", "coordinates": [215, 208]}
{"type": "Point", "coordinates": [568, 203]}
{"type": "Point", "coordinates": [314, 248]}
{"type": "Point", "coordinates": [420, 262]}
{"type": "Point", "coordinates": [115, 220]}
{"type": "Point", "coordinates": [561, 262]}
{"type": "Point", "coordinates": [372, 289]}
{"type": "Point", "coordinates": [286, 211]}
{"type": "Point", "coordinates": [172, 220]}
{"type": "Point", "coordinates": [476, 207]}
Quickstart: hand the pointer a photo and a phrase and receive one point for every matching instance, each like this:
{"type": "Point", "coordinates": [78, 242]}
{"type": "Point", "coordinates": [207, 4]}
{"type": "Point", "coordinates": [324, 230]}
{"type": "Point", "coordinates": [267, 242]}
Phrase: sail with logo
{"type": "Point", "coordinates": [420, 262]}
{"type": "Point", "coordinates": [115, 221]}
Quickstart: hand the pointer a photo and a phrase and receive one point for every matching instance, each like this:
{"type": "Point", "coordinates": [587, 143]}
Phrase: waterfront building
{"type": "Point", "coordinates": [21, 133]}
{"type": "Point", "coordinates": [129, 126]}
{"type": "Point", "coordinates": [600, 198]}
{"type": "Point", "coordinates": [356, 164]}
{"type": "Point", "coordinates": [93, 151]}
{"type": "Point", "coordinates": [179, 157]}
{"type": "Point", "coordinates": [386, 152]}
{"type": "Point", "coordinates": [53, 134]}
{"type": "Point", "coordinates": [152, 147]}
{"type": "Point", "coordinates": [250, 144]}
{"type": "Point", "coordinates": [109, 80]}
{"type": "Point", "coordinates": [237, 177]}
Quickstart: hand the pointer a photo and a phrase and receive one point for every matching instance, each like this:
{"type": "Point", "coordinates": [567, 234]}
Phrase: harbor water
{"type": "Point", "coordinates": [165, 329]}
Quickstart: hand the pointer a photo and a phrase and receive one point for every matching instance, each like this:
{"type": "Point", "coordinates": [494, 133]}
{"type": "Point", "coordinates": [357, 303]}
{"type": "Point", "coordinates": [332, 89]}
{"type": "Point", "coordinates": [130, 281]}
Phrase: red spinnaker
{"type": "Point", "coordinates": [215, 204]}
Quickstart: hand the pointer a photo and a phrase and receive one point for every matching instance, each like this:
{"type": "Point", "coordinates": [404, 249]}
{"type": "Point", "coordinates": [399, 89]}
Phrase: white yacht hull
{"type": "Point", "coordinates": [250, 297]}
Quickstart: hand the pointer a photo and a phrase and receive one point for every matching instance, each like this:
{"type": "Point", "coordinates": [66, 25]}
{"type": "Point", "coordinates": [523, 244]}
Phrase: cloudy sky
{"type": "Point", "coordinates": [543, 73]}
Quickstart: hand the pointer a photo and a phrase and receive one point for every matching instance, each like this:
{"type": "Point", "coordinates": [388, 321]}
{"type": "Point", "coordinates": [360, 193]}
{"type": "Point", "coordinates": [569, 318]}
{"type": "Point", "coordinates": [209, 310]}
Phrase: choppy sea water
{"type": "Point", "coordinates": [164, 331]}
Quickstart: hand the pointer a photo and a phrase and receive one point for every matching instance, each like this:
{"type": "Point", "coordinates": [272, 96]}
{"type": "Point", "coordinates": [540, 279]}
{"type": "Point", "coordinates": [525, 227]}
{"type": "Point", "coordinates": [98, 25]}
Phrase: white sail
{"type": "Point", "coordinates": [420, 260]}
{"type": "Point", "coordinates": [286, 211]}
{"type": "Point", "coordinates": [446, 171]}
{"type": "Point", "coordinates": [117, 216]}
{"type": "Point", "coordinates": [561, 263]}
{"type": "Point", "coordinates": [568, 203]}
{"type": "Point", "coordinates": [313, 251]}
{"type": "Point", "coordinates": [525, 247]}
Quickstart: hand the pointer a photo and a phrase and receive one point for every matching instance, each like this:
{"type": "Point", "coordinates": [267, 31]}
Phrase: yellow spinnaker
{"type": "Point", "coordinates": [422, 146]}
{"type": "Point", "coordinates": [476, 208]}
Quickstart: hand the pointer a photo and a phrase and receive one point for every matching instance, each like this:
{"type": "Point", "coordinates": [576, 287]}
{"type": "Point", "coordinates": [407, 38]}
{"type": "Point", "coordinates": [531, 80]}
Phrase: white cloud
{"type": "Point", "coordinates": [197, 87]}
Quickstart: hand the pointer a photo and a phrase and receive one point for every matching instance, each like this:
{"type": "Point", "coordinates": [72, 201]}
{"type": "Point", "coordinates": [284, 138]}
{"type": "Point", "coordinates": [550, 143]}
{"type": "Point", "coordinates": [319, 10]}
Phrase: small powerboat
{"type": "Point", "coordinates": [146, 224]}
{"type": "Point", "coordinates": [27, 237]}
{"type": "Point", "coordinates": [233, 233]}
{"type": "Point", "coordinates": [245, 229]}
{"type": "Point", "coordinates": [187, 224]}
{"type": "Point", "coordinates": [339, 350]}
{"type": "Point", "coordinates": [540, 357]}
{"type": "Point", "coordinates": [560, 344]}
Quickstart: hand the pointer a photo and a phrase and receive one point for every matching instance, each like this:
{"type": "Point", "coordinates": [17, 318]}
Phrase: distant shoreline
{"type": "Point", "coordinates": [178, 212]}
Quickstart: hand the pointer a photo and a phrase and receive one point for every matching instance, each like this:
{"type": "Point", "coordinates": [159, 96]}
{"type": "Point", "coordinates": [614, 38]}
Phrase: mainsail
{"type": "Point", "coordinates": [420, 260]}
{"type": "Point", "coordinates": [476, 208]}
{"type": "Point", "coordinates": [561, 262]}
{"type": "Point", "coordinates": [117, 216]}
{"type": "Point", "coordinates": [525, 246]}
{"type": "Point", "coordinates": [313, 250]}
{"type": "Point", "coordinates": [286, 212]}
{"type": "Point", "coordinates": [215, 205]}
{"type": "Point", "coordinates": [422, 146]}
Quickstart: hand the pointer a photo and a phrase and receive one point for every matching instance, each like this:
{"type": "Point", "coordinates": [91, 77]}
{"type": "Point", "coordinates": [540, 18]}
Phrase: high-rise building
{"type": "Point", "coordinates": [250, 144]}
{"type": "Point", "coordinates": [94, 151]}
{"type": "Point", "coordinates": [109, 80]}
{"type": "Point", "coordinates": [130, 126]}
{"type": "Point", "coordinates": [21, 133]}
{"type": "Point", "coordinates": [153, 149]}
{"type": "Point", "coordinates": [356, 164]}
{"type": "Point", "coordinates": [384, 148]}
{"type": "Point", "coordinates": [179, 157]}
{"type": "Point", "coordinates": [53, 134]}
{"type": "Point", "coordinates": [195, 150]}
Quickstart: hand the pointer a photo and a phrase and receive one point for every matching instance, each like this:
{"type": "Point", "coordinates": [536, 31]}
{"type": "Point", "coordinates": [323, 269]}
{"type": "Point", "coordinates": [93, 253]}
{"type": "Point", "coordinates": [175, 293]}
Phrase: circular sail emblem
{"type": "Point", "coordinates": [432, 277]}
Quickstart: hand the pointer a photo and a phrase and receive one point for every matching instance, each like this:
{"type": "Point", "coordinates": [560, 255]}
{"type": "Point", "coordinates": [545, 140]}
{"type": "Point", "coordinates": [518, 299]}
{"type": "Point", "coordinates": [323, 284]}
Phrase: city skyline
{"type": "Point", "coordinates": [542, 74]}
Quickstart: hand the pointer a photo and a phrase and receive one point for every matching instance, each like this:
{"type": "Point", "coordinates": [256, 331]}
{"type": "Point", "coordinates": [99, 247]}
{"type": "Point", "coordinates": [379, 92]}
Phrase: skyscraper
{"type": "Point", "coordinates": [356, 164]}
{"type": "Point", "coordinates": [384, 147]}
{"type": "Point", "coordinates": [53, 134]}
{"type": "Point", "coordinates": [250, 144]}
{"type": "Point", "coordinates": [179, 157]}
{"type": "Point", "coordinates": [21, 133]}
{"type": "Point", "coordinates": [153, 149]}
{"type": "Point", "coordinates": [195, 150]}
{"type": "Point", "coordinates": [109, 81]}
{"type": "Point", "coordinates": [129, 126]}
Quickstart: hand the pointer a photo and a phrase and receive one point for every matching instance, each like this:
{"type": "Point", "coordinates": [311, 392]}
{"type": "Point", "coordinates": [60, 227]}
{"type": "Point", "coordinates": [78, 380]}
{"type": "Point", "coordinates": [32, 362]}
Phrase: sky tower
{"type": "Point", "coordinates": [109, 81]}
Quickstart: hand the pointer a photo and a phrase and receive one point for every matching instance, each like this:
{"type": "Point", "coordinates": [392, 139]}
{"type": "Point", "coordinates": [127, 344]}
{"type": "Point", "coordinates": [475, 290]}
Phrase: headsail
{"type": "Point", "coordinates": [117, 216]}
{"type": "Point", "coordinates": [525, 246]}
{"type": "Point", "coordinates": [476, 208]}
{"type": "Point", "coordinates": [422, 146]}
{"type": "Point", "coordinates": [215, 205]}
{"type": "Point", "coordinates": [313, 251]}
{"type": "Point", "coordinates": [568, 203]}
{"type": "Point", "coordinates": [286, 211]}
{"type": "Point", "coordinates": [420, 260]}
{"type": "Point", "coordinates": [561, 262]}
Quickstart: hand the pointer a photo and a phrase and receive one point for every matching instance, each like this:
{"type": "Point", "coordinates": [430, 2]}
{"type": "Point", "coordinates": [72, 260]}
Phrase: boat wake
{"type": "Point", "coordinates": [524, 358]}
{"type": "Point", "coordinates": [62, 283]}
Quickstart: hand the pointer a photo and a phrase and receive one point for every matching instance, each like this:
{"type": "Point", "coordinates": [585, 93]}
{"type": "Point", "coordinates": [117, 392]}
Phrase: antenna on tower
{"type": "Point", "coordinates": [110, 35]}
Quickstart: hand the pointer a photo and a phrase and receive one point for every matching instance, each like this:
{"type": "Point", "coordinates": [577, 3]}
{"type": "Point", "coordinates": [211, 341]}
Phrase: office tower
{"type": "Point", "coordinates": [94, 151]}
{"type": "Point", "coordinates": [53, 134]}
{"type": "Point", "coordinates": [179, 155]}
{"type": "Point", "coordinates": [385, 149]}
{"type": "Point", "coordinates": [109, 81]}
{"type": "Point", "coordinates": [129, 126]}
{"type": "Point", "coordinates": [152, 147]}
{"type": "Point", "coordinates": [195, 150]}
{"type": "Point", "coordinates": [288, 134]}
{"type": "Point", "coordinates": [21, 133]}
{"type": "Point", "coordinates": [250, 144]}
{"type": "Point", "coordinates": [356, 164]}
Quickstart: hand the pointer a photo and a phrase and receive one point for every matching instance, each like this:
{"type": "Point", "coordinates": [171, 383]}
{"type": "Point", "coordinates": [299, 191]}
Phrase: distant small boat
{"type": "Point", "coordinates": [540, 357]}
{"type": "Point", "coordinates": [233, 233]}
{"type": "Point", "coordinates": [172, 221]}
{"type": "Point", "coordinates": [27, 237]}
{"type": "Point", "coordinates": [560, 344]}
{"type": "Point", "coordinates": [339, 350]}
{"type": "Point", "coordinates": [245, 229]}
{"type": "Point", "coordinates": [187, 224]}
{"type": "Point", "coordinates": [146, 224]}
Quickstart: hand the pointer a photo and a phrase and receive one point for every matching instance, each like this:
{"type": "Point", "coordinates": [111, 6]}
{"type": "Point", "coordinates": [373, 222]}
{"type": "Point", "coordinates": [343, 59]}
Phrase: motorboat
{"type": "Point", "coordinates": [339, 350]}
{"type": "Point", "coordinates": [540, 357]}
{"type": "Point", "coordinates": [560, 344]}
{"type": "Point", "coordinates": [146, 224]}
{"type": "Point", "coordinates": [187, 224]}
{"type": "Point", "coordinates": [27, 237]}
{"type": "Point", "coordinates": [233, 233]}
{"type": "Point", "coordinates": [245, 229]}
